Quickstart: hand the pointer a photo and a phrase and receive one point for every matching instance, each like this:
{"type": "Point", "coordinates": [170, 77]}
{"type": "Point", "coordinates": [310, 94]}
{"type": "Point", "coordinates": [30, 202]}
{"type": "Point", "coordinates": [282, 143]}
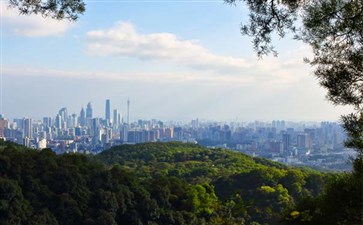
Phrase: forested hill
{"type": "Point", "coordinates": [192, 162]}
{"type": "Point", "coordinates": [260, 188]}
{"type": "Point", "coordinates": [154, 183]}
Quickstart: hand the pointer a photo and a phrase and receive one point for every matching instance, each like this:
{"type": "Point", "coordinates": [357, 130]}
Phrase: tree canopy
{"type": "Point", "coordinates": [56, 9]}
{"type": "Point", "coordinates": [153, 183]}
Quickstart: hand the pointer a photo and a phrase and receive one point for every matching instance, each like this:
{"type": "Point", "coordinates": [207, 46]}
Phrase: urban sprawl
{"type": "Point", "coordinates": [318, 145]}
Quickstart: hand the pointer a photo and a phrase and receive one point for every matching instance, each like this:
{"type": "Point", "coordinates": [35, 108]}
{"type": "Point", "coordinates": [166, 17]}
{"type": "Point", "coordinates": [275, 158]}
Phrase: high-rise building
{"type": "Point", "coordinates": [47, 121]}
{"type": "Point", "coordinates": [74, 121]}
{"type": "Point", "coordinates": [95, 126]}
{"type": "Point", "coordinates": [286, 141]}
{"type": "Point", "coordinates": [28, 128]}
{"type": "Point", "coordinates": [82, 118]}
{"type": "Point", "coordinates": [123, 133]}
{"type": "Point", "coordinates": [89, 111]}
{"type": "Point", "coordinates": [108, 111]}
{"type": "Point", "coordinates": [115, 121]}
{"type": "Point", "coordinates": [89, 115]}
{"type": "Point", "coordinates": [64, 114]}
{"type": "Point", "coordinates": [304, 141]}
{"type": "Point", "coordinates": [58, 121]}
{"type": "Point", "coordinates": [276, 147]}
{"type": "Point", "coordinates": [128, 111]}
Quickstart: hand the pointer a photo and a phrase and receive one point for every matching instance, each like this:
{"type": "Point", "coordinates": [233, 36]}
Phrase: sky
{"type": "Point", "coordinates": [174, 60]}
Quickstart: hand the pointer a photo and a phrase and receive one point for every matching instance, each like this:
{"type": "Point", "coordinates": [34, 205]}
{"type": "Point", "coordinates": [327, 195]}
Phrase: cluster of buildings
{"type": "Point", "coordinates": [83, 132]}
{"type": "Point", "coordinates": [287, 142]}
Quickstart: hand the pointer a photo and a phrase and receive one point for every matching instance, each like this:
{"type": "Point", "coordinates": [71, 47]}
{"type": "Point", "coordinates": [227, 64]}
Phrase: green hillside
{"type": "Point", "coordinates": [188, 161]}
{"type": "Point", "coordinates": [259, 190]}
{"type": "Point", "coordinates": [154, 183]}
{"type": "Point", "coordinates": [39, 187]}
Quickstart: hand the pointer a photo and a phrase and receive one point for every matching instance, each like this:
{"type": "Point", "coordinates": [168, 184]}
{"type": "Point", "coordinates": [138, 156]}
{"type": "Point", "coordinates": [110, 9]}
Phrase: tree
{"type": "Point", "coordinates": [56, 9]}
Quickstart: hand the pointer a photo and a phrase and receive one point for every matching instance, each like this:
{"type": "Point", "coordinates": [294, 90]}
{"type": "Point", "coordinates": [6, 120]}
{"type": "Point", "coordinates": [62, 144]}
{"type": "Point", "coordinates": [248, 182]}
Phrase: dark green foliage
{"type": "Point", "coordinates": [56, 9]}
{"type": "Point", "coordinates": [353, 124]}
{"type": "Point", "coordinates": [14, 209]}
{"type": "Point", "coordinates": [341, 203]}
{"type": "Point", "coordinates": [39, 187]}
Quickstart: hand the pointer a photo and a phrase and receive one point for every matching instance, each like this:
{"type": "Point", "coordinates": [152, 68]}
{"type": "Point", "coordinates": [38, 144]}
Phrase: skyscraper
{"type": "Point", "coordinates": [89, 111]}
{"type": "Point", "coordinates": [82, 118]}
{"type": "Point", "coordinates": [115, 121]}
{"type": "Point", "coordinates": [108, 111]}
{"type": "Point", "coordinates": [74, 121]}
{"type": "Point", "coordinates": [64, 116]}
{"type": "Point", "coordinates": [28, 128]}
{"type": "Point", "coordinates": [58, 121]}
{"type": "Point", "coordinates": [128, 111]}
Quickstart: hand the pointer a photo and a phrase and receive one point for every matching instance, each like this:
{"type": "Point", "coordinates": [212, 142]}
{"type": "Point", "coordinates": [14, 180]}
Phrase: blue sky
{"type": "Point", "coordinates": [175, 60]}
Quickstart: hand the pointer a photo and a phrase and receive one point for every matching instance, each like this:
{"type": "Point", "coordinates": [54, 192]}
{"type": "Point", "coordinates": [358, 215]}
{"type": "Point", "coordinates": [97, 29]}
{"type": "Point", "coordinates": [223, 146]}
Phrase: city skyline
{"type": "Point", "coordinates": [125, 116]}
{"type": "Point", "coordinates": [294, 143]}
{"type": "Point", "coordinates": [88, 111]}
{"type": "Point", "coordinates": [171, 66]}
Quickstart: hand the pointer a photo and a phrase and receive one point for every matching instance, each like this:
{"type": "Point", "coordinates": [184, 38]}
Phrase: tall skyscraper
{"type": "Point", "coordinates": [28, 128]}
{"type": "Point", "coordinates": [115, 121]}
{"type": "Point", "coordinates": [58, 121]}
{"type": "Point", "coordinates": [63, 113]}
{"type": "Point", "coordinates": [96, 129]}
{"type": "Point", "coordinates": [128, 111]}
{"type": "Point", "coordinates": [82, 118]}
{"type": "Point", "coordinates": [74, 121]}
{"type": "Point", "coordinates": [64, 116]}
{"type": "Point", "coordinates": [89, 111]}
{"type": "Point", "coordinates": [108, 111]}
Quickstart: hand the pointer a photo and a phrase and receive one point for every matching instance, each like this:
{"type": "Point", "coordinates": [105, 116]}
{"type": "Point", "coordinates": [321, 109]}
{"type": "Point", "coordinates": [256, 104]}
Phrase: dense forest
{"type": "Point", "coordinates": [163, 183]}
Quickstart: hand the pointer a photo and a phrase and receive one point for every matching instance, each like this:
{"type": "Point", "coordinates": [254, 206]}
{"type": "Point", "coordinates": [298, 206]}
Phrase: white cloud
{"type": "Point", "coordinates": [125, 40]}
{"type": "Point", "coordinates": [31, 25]}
